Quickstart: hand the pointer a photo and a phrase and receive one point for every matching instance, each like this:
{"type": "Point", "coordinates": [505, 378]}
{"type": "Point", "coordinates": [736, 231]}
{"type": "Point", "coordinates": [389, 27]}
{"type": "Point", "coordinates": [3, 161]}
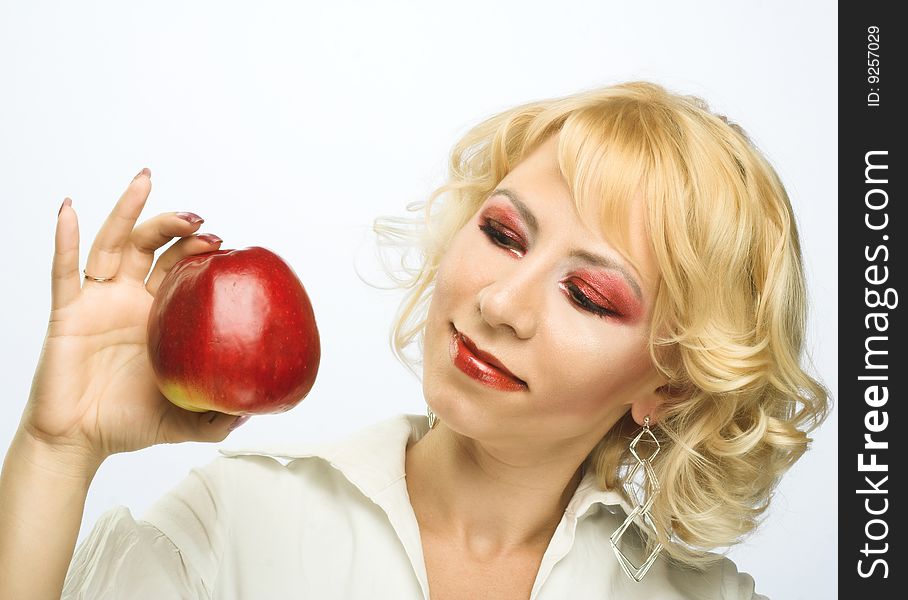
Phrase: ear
{"type": "Point", "coordinates": [650, 402]}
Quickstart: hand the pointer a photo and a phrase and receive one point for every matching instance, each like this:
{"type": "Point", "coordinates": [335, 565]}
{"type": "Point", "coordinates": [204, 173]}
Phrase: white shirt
{"type": "Point", "coordinates": [333, 520]}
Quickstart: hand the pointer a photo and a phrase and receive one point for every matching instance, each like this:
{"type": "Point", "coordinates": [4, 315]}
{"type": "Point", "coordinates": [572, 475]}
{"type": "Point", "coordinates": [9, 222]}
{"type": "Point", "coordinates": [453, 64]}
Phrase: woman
{"type": "Point", "coordinates": [616, 312]}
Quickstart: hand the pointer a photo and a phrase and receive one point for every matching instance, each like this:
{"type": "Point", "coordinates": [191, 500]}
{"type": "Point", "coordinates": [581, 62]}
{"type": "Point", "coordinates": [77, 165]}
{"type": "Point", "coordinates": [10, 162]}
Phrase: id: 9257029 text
{"type": "Point", "coordinates": [873, 65]}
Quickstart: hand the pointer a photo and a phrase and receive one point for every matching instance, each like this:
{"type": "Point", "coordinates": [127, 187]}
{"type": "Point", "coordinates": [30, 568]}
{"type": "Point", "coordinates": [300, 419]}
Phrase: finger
{"type": "Point", "coordinates": [148, 237]}
{"type": "Point", "coordinates": [106, 250]}
{"type": "Point", "coordinates": [194, 244]}
{"type": "Point", "coordinates": [65, 282]}
{"type": "Point", "coordinates": [180, 425]}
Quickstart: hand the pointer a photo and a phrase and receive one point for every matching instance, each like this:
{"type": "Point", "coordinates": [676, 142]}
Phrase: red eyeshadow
{"type": "Point", "coordinates": [612, 287]}
{"type": "Point", "coordinates": [507, 217]}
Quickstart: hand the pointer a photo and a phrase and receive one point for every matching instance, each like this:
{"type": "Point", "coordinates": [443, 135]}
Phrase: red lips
{"type": "Point", "coordinates": [482, 366]}
{"type": "Point", "coordinates": [486, 357]}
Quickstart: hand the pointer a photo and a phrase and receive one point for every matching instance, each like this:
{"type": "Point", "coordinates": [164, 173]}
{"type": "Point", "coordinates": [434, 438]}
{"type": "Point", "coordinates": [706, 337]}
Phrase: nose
{"type": "Point", "coordinates": [513, 300]}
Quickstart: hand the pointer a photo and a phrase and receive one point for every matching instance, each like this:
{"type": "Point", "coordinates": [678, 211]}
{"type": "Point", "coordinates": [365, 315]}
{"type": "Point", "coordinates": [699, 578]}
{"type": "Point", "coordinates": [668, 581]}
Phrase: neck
{"type": "Point", "coordinates": [489, 502]}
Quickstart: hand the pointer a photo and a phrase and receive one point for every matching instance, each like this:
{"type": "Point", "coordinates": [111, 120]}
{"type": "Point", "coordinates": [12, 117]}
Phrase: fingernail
{"type": "Point", "coordinates": [239, 422]}
{"type": "Point", "coordinates": [146, 171]}
{"type": "Point", "coordinates": [66, 202]}
{"type": "Point", "coordinates": [191, 218]}
{"type": "Point", "coordinates": [210, 238]}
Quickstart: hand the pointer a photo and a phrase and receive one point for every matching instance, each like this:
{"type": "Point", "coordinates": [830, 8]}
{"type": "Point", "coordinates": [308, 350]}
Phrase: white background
{"type": "Point", "coordinates": [294, 125]}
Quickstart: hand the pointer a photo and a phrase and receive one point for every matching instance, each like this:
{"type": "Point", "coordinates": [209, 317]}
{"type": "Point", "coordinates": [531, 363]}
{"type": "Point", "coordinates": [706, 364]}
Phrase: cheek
{"type": "Point", "coordinates": [459, 274]}
{"type": "Point", "coordinates": [596, 374]}
{"type": "Point", "coordinates": [456, 283]}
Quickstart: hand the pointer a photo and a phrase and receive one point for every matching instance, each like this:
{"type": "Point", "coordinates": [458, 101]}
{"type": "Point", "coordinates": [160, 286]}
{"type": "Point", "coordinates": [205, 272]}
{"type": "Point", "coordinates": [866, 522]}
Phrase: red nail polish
{"type": "Point", "coordinates": [66, 202]}
{"type": "Point", "coordinates": [210, 238]}
{"type": "Point", "coordinates": [190, 218]}
{"type": "Point", "coordinates": [239, 422]}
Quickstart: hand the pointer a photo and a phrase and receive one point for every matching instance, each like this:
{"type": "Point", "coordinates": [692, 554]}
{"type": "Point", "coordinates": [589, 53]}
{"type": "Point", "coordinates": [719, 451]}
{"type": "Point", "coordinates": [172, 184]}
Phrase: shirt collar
{"type": "Point", "coordinates": [373, 458]}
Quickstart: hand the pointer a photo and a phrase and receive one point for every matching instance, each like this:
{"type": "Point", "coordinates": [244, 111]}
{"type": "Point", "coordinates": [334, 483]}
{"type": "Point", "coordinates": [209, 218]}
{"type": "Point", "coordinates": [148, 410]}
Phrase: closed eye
{"type": "Point", "coordinates": [501, 237]}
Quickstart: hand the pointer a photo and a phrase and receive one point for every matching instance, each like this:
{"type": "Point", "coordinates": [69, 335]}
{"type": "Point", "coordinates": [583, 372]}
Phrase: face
{"type": "Point", "coordinates": [519, 282]}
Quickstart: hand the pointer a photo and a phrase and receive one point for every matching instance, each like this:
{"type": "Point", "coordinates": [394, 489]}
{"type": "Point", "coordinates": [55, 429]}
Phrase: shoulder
{"type": "Point", "coordinates": [721, 580]}
{"type": "Point", "coordinates": [249, 472]}
{"type": "Point", "coordinates": [717, 579]}
{"type": "Point", "coordinates": [370, 460]}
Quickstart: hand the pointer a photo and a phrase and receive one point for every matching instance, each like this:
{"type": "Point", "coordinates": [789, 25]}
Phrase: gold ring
{"type": "Point", "coordinates": [98, 279]}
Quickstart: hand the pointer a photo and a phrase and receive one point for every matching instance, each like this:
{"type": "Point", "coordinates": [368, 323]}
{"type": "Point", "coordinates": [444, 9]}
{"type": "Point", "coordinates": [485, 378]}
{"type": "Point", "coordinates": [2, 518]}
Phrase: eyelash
{"type": "Point", "coordinates": [502, 240]}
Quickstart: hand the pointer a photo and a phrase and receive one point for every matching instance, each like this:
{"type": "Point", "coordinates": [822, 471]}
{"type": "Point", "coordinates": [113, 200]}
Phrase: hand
{"type": "Point", "coordinates": [94, 391]}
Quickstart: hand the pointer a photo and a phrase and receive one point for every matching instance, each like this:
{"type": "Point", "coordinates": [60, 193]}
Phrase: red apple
{"type": "Point", "coordinates": [233, 331]}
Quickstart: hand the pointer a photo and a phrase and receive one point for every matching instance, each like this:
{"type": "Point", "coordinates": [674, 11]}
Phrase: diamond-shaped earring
{"type": "Point", "coordinates": [640, 511]}
{"type": "Point", "coordinates": [432, 418]}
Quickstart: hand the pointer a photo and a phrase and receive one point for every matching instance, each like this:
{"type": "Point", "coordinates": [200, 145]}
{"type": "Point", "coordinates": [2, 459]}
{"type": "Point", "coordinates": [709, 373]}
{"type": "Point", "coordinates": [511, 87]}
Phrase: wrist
{"type": "Point", "coordinates": [58, 458]}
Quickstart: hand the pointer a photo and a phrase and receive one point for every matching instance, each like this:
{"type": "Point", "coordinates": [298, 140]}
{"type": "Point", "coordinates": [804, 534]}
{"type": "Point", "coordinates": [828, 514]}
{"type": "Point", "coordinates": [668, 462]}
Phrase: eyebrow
{"type": "Point", "coordinates": [587, 257]}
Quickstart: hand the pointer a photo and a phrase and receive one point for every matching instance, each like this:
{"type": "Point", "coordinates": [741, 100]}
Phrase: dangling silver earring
{"type": "Point", "coordinates": [641, 511]}
{"type": "Point", "coordinates": [432, 418]}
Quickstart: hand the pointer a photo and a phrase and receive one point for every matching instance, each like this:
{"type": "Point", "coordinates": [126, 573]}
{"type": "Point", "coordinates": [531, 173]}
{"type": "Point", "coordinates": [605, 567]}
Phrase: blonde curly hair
{"type": "Point", "coordinates": [729, 315]}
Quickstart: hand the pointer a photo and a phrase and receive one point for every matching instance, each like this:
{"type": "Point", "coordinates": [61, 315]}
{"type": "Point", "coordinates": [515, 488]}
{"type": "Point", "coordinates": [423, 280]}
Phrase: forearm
{"type": "Point", "coordinates": [42, 497]}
